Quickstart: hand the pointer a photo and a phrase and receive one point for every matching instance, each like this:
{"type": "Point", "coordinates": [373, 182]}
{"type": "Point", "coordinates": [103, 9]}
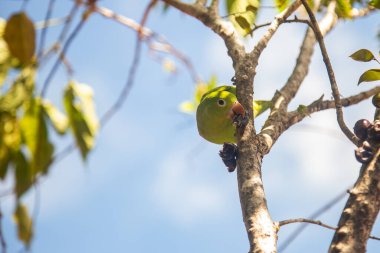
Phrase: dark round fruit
{"type": "Point", "coordinates": [361, 128]}
{"type": "Point", "coordinates": [362, 155]}
{"type": "Point", "coordinates": [374, 131]}
{"type": "Point", "coordinates": [376, 100]}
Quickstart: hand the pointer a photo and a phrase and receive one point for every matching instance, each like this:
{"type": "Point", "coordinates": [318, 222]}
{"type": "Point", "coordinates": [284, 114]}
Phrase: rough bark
{"type": "Point", "coordinates": [361, 210]}
{"type": "Point", "coordinates": [261, 230]}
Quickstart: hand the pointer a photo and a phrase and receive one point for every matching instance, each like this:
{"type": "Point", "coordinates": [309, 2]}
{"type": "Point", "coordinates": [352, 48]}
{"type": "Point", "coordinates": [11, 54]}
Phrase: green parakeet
{"type": "Point", "coordinates": [216, 112]}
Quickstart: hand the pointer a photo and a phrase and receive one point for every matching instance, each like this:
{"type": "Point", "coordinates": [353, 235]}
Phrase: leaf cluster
{"type": "Point", "coordinates": [27, 119]}
{"type": "Point", "coordinates": [364, 55]}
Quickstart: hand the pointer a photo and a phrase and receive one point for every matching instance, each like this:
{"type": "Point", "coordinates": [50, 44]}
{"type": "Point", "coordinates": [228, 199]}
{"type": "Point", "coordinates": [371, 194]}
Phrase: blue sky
{"type": "Point", "coordinates": [151, 183]}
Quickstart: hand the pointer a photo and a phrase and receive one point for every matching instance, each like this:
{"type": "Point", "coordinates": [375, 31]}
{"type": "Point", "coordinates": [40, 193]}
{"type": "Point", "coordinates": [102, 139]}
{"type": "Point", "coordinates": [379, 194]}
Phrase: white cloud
{"type": "Point", "coordinates": [183, 195]}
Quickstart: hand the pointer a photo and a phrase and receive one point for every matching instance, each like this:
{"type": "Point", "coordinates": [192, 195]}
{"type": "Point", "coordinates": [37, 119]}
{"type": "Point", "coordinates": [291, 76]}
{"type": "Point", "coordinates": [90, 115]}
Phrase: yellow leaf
{"type": "Point", "coordinates": [260, 106]}
{"type": "Point", "coordinates": [82, 117]}
{"type": "Point", "coordinates": [34, 131]}
{"type": "Point", "coordinates": [187, 107]}
{"type": "Point", "coordinates": [169, 66]}
{"type": "Point", "coordinates": [242, 14]}
{"type": "Point", "coordinates": [59, 120]}
{"type": "Point", "coordinates": [20, 36]}
{"type": "Point", "coordinates": [24, 224]}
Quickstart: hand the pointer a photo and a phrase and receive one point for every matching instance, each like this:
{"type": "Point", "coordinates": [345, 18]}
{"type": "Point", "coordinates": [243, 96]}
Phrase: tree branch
{"type": "Point", "coordinates": [57, 45]}
{"type": "Point", "coordinates": [320, 105]}
{"type": "Point", "coordinates": [155, 41]}
{"type": "Point", "coordinates": [313, 216]}
{"type": "Point", "coordinates": [316, 222]}
{"type": "Point", "coordinates": [2, 239]}
{"type": "Point", "coordinates": [210, 19]}
{"type": "Point", "coordinates": [61, 56]}
{"type": "Point", "coordinates": [360, 212]}
{"type": "Point", "coordinates": [290, 89]}
{"type": "Point", "coordinates": [280, 18]}
{"type": "Point", "coordinates": [44, 30]}
{"type": "Point", "coordinates": [334, 87]}
{"type": "Point", "coordinates": [214, 6]}
{"type": "Point", "coordinates": [201, 2]}
{"type": "Point", "coordinates": [275, 125]}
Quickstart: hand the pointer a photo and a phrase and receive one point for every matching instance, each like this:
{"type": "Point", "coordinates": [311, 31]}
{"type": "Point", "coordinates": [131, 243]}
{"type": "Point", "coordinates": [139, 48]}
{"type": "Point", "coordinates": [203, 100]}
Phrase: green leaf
{"type": "Point", "coordinates": [343, 8]}
{"type": "Point", "coordinates": [303, 110]}
{"type": "Point", "coordinates": [242, 14]}
{"type": "Point", "coordinates": [282, 4]}
{"type": "Point", "coordinates": [375, 3]}
{"type": "Point", "coordinates": [10, 131]}
{"type": "Point", "coordinates": [187, 107]}
{"type": "Point", "coordinates": [10, 140]}
{"type": "Point", "coordinates": [202, 88]}
{"type": "Point", "coordinates": [5, 61]}
{"type": "Point", "coordinates": [34, 131]}
{"type": "Point", "coordinates": [23, 174]}
{"type": "Point", "coordinates": [59, 120]}
{"type": "Point", "coordinates": [82, 118]}
{"type": "Point", "coordinates": [4, 161]}
{"type": "Point", "coordinates": [24, 224]}
{"type": "Point", "coordinates": [370, 76]}
{"type": "Point", "coordinates": [260, 106]}
{"type": "Point", "coordinates": [20, 37]}
{"type": "Point", "coordinates": [19, 92]}
{"type": "Point", "coordinates": [363, 55]}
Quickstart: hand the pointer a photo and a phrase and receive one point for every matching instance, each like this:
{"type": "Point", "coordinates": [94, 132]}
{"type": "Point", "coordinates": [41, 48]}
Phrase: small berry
{"type": "Point", "coordinates": [376, 100]}
{"type": "Point", "coordinates": [374, 131]}
{"type": "Point", "coordinates": [361, 128]}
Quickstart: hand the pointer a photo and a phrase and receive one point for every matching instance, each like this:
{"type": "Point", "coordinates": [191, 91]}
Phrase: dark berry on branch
{"type": "Point", "coordinates": [374, 131]}
{"type": "Point", "coordinates": [361, 128]}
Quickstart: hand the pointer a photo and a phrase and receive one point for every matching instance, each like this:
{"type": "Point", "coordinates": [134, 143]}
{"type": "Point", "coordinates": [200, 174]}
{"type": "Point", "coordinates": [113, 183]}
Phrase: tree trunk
{"type": "Point", "coordinates": [261, 230]}
{"type": "Point", "coordinates": [360, 212]}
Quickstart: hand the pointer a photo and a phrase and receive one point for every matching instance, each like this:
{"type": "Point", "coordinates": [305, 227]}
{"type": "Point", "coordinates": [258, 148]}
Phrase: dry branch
{"type": "Point", "coordinates": [334, 86]}
{"type": "Point", "coordinates": [361, 210]}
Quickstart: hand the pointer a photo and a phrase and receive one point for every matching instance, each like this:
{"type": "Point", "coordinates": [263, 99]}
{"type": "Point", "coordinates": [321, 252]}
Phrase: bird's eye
{"type": "Point", "coordinates": [221, 102]}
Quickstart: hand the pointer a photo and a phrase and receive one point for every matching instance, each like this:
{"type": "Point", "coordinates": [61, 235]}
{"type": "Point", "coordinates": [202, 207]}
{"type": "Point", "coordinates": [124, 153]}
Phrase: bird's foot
{"type": "Point", "coordinates": [233, 80]}
{"type": "Point", "coordinates": [229, 154]}
{"type": "Point", "coordinates": [240, 121]}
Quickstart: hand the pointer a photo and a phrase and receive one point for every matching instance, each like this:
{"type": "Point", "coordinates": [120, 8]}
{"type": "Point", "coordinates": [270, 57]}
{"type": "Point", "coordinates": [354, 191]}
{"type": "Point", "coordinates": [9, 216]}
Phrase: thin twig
{"type": "Point", "coordinates": [122, 97]}
{"type": "Point", "coordinates": [201, 2]}
{"type": "Point", "coordinates": [263, 42]}
{"type": "Point", "coordinates": [286, 21]}
{"type": "Point", "coordinates": [214, 7]}
{"type": "Point", "coordinates": [44, 31]}
{"type": "Point", "coordinates": [316, 222]}
{"type": "Point", "coordinates": [320, 105]}
{"type": "Point", "coordinates": [334, 87]}
{"type": "Point", "coordinates": [39, 25]}
{"type": "Point", "coordinates": [24, 5]}
{"type": "Point", "coordinates": [354, 13]}
{"type": "Point", "coordinates": [315, 215]}
{"type": "Point", "coordinates": [57, 45]}
{"type": "Point", "coordinates": [37, 203]}
{"type": "Point", "coordinates": [131, 74]}
{"type": "Point", "coordinates": [61, 56]}
{"type": "Point", "coordinates": [2, 239]}
{"type": "Point", "coordinates": [155, 41]}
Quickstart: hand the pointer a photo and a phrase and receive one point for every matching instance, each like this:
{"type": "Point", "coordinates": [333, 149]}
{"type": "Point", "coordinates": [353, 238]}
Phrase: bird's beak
{"type": "Point", "coordinates": [236, 109]}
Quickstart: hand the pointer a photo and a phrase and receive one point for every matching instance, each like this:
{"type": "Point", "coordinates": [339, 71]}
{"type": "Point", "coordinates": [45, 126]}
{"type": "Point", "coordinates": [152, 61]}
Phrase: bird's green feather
{"type": "Point", "coordinates": [212, 119]}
